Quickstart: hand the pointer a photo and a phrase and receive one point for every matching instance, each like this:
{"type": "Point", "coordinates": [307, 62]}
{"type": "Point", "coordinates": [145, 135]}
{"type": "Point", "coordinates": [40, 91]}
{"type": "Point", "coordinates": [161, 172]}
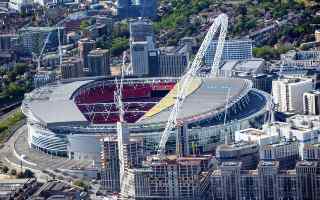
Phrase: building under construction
{"type": "Point", "coordinates": [171, 177]}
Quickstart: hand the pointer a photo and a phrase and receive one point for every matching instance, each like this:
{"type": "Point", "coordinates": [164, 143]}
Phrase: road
{"type": "Point", "coordinates": [10, 159]}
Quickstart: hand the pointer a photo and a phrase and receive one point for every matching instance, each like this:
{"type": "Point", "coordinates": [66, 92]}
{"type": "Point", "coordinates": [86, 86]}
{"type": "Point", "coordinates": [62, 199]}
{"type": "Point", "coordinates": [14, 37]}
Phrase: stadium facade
{"type": "Point", "coordinates": [70, 118]}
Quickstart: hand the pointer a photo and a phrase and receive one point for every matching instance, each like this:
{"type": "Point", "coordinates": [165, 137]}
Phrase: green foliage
{"type": "Point", "coordinates": [20, 68]}
{"type": "Point", "coordinates": [182, 10]}
{"type": "Point", "coordinates": [15, 90]}
{"type": "Point", "coordinates": [15, 85]}
{"type": "Point", "coordinates": [5, 125]}
{"type": "Point", "coordinates": [119, 45]}
{"type": "Point", "coordinates": [83, 25]}
{"type": "Point", "coordinates": [121, 30]}
{"type": "Point", "coordinates": [81, 183]}
{"type": "Point", "coordinates": [269, 53]}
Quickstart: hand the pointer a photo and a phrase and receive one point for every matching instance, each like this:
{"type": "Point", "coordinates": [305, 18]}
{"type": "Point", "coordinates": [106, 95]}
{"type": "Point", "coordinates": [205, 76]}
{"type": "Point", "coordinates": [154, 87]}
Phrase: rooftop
{"type": "Point", "coordinates": [207, 95]}
{"type": "Point", "coordinates": [40, 28]}
{"type": "Point", "coordinates": [268, 163]}
{"type": "Point", "coordinates": [98, 52]}
{"type": "Point", "coordinates": [236, 146]}
{"type": "Point", "coordinates": [313, 92]}
{"type": "Point", "coordinates": [53, 104]}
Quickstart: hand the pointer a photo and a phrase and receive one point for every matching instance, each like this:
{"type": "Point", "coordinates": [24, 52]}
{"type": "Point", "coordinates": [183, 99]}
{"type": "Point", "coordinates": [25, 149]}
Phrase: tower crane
{"type": "Point", "coordinates": [222, 22]}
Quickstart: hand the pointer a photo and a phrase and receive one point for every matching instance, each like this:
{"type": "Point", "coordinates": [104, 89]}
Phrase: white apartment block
{"type": "Point", "coordinates": [311, 103]}
{"type": "Point", "coordinates": [288, 93]}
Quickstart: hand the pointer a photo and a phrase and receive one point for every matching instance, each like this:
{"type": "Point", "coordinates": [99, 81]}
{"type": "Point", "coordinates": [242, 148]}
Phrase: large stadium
{"type": "Point", "coordinates": [69, 118]}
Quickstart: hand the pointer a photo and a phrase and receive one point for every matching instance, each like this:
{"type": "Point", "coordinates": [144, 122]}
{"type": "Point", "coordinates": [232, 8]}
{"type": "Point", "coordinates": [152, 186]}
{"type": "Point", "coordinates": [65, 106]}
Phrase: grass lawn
{"type": "Point", "coordinates": [9, 123]}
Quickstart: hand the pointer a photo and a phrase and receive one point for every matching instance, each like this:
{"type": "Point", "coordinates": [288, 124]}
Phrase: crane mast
{"type": "Point", "coordinates": [220, 21]}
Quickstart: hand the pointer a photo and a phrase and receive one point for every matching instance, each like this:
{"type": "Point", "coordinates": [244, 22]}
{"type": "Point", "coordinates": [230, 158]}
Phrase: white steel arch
{"type": "Point", "coordinates": [186, 79]}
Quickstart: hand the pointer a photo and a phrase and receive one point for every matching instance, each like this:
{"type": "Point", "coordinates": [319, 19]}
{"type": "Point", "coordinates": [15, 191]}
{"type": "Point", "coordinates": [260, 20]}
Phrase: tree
{"type": "Point", "coordinates": [84, 25]}
{"type": "Point", "coordinates": [13, 172]}
{"type": "Point", "coordinates": [119, 45]}
{"type": "Point", "coordinates": [20, 68]}
{"type": "Point", "coordinates": [15, 90]}
{"type": "Point", "coordinates": [5, 169]}
{"type": "Point", "coordinates": [81, 184]}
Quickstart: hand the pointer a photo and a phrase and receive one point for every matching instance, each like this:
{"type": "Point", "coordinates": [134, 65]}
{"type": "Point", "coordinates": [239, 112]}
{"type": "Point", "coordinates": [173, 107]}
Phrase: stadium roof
{"type": "Point", "coordinates": [53, 104]}
{"type": "Point", "coordinates": [60, 111]}
{"type": "Point", "coordinates": [210, 96]}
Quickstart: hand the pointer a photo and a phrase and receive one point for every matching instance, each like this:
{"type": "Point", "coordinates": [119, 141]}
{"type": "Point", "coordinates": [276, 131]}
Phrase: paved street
{"type": "Point", "coordinates": [43, 162]}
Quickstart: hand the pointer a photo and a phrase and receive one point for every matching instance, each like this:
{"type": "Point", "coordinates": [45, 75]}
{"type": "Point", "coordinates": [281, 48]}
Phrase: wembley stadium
{"type": "Point", "coordinates": [69, 118]}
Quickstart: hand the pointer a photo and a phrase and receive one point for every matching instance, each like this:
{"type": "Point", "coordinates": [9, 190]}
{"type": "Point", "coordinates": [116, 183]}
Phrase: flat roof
{"type": "Point", "coordinates": [59, 111]}
{"type": "Point", "coordinates": [52, 104]}
{"type": "Point", "coordinates": [13, 181]}
{"type": "Point", "coordinates": [249, 65]}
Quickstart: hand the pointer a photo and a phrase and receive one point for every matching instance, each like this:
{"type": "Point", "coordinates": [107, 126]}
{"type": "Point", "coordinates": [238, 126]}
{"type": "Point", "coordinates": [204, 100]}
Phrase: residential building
{"type": "Point", "coordinates": [110, 162]}
{"type": "Point", "coordinates": [58, 190]}
{"type": "Point", "coordinates": [311, 102]}
{"type": "Point", "coordinates": [21, 5]}
{"type": "Point", "coordinates": [169, 61]}
{"type": "Point", "coordinates": [232, 50]}
{"type": "Point", "coordinates": [85, 45]}
{"type": "Point", "coordinates": [288, 93]}
{"type": "Point", "coordinates": [286, 151]}
{"type": "Point", "coordinates": [301, 59]}
{"type": "Point", "coordinates": [136, 8]}
{"type": "Point", "coordinates": [266, 182]}
{"type": "Point", "coordinates": [131, 155]}
{"type": "Point", "coordinates": [311, 152]}
{"type": "Point", "coordinates": [139, 58]}
{"type": "Point", "coordinates": [172, 64]}
{"type": "Point", "coordinates": [264, 34]}
{"type": "Point", "coordinates": [142, 30]}
{"type": "Point", "coordinates": [260, 81]}
{"type": "Point", "coordinates": [166, 65]}
{"type": "Point", "coordinates": [317, 35]}
{"type": "Point", "coordinates": [245, 151]}
{"type": "Point", "coordinates": [45, 2]}
{"type": "Point", "coordinates": [6, 41]}
{"type": "Point", "coordinates": [99, 62]}
{"type": "Point", "coordinates": [172, 177]}
{"type": "Point", "coordinates": [71, 68]}
{"type": "Point", "coordinates": [305, 128]}
{"type": "Point", "coordinates": [258, 136]}
{"type": "Point", "coordinates": [17, 188]}
{"type": "Point", "coordinates": [33, 39]}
